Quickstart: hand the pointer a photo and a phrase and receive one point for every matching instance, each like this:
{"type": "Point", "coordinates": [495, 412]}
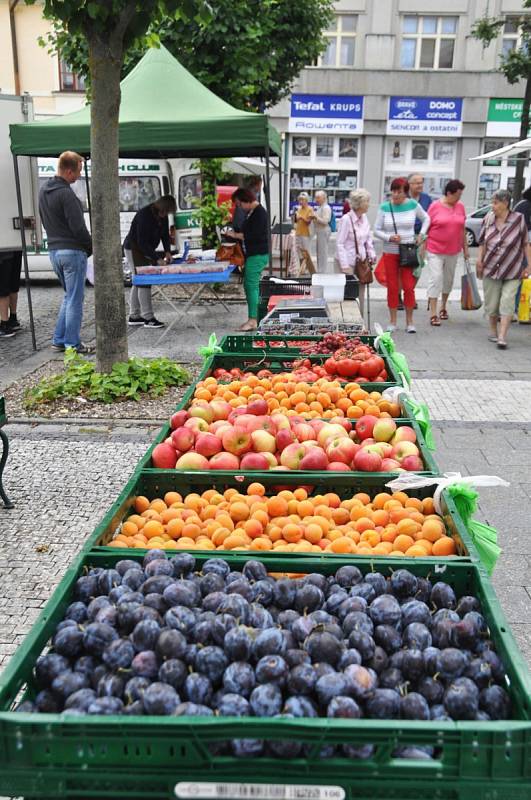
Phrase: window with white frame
{"type": "Point", "coordinates": [329, 163]}
{"type": "Point", "coordinates": [341, 36]}
{"type": "Point", "coordinates": [70, 81]}
{"type": "Point", "coordinates": [428, 42]}
{"type": "Point", "coordinates": [434, 159]}
{"type": "Point", "coordinates": [512, 35]}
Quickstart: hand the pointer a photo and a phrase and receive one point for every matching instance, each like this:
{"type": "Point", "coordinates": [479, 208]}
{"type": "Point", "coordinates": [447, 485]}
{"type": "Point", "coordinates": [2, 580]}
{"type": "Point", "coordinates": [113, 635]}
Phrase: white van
{"type": "Point", "coordinates": [141, 182]}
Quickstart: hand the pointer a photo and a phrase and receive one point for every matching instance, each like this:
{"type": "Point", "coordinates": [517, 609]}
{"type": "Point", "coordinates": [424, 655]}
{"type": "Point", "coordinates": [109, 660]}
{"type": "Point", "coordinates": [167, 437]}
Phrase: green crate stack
{"type": "Point", "coordinates": [49, 755]}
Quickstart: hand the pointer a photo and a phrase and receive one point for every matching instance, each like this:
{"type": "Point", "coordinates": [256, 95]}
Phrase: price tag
{"type": "Point", "coordinates": [188, 790]}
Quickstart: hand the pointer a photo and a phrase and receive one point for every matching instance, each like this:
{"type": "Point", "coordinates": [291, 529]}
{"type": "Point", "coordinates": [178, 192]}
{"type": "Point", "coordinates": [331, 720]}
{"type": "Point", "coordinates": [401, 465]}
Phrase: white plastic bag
{"type": "Point", "coordinates": [411, 481]}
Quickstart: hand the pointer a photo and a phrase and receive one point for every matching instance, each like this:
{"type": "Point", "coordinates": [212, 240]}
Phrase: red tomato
{"type": "Point", "coordinates": [371, 368]}
{"type": "Point", "coordinates": [347, 367]}
{"type": "Point", "coordinates": [330, 366]}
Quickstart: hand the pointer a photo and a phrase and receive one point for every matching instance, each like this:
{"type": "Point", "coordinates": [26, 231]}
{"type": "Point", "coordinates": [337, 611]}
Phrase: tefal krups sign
{"type": "Point", "coordinates": [326, 113]}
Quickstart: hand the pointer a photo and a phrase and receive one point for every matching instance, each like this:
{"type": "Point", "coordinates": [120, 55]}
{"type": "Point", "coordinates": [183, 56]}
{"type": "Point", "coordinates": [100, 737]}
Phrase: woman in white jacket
{"type": "Point", "coordinates": [354, 239]}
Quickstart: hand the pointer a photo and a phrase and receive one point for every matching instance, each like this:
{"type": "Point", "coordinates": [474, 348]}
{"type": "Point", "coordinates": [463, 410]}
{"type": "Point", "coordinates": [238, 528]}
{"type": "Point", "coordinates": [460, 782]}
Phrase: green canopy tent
{"type": "Point", "coordinates": [164, 113]}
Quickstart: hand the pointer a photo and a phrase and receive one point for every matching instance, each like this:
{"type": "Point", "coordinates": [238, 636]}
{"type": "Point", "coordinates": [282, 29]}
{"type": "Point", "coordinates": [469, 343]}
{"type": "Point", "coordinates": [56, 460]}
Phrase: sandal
{"type": "Point", "coordinates": [502, 345]}
{"type": "Point", "coordinates": [493, 338]}
{"type": "Point", "coordinates": [435, 321]}
{"type": "Point", "coordinates": [443, 314]}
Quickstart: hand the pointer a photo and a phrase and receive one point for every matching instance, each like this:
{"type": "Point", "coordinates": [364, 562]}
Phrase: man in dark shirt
{"type": "Point", "coordinates": [69, 245]}
{"type": "Point", "coordinates": [148, 228]}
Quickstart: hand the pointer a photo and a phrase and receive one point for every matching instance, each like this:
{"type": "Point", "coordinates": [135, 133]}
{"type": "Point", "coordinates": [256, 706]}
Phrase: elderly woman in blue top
{"type": "Point", "coordinates": [395, 224]}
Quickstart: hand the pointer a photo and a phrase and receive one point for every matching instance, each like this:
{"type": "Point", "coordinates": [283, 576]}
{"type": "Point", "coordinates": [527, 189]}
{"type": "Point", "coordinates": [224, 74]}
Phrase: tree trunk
{"type": "Point", "coordinates": [105, 59]}
{"type": "Point", "coordinates": [522, 158]}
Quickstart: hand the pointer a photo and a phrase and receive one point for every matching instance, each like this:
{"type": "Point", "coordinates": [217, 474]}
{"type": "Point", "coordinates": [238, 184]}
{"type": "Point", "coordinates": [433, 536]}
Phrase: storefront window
{"type": "Point", "coordinates": [434, 159]}
{"type": "Point", "coordinates": [301, 146]}
{"type": "Point", "coordinates": [420, 150]}
{"type": "Point", "coordinates": [324, 146]}
{"type": "Point", "coordinates": [336, 183]}
{"type": "Point", "coordinates": [348, 148]}
{"type": "Point", "coordinates": [488, 184]}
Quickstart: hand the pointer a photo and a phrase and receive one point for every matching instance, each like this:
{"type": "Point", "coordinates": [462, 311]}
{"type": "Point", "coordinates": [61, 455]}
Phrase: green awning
{"type": "Point", "coordinates": [164, 113]}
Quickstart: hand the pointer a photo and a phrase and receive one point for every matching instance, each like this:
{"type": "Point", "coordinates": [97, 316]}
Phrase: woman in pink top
{"type": "Point", "coordinates": [446, 239]}
{"type": "Point", "coordinates": [354, 239]}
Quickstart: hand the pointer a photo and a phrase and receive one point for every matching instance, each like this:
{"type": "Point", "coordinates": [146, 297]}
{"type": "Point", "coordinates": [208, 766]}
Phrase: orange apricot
{"type": "Point", "coordinates": [445, 546]}
{"type": "Point", "coordinates": [153, 528]}
{"type": "Point", "coordinates": [141, 503]}
{"type": "Point", "coordinates": [292, 533]}
{"type": "Point", "coordinates": [403, 543]}
{"type": "Point", "coordinates": [342, 545]}
{"type": "Point", "coordinates": [172, 497]}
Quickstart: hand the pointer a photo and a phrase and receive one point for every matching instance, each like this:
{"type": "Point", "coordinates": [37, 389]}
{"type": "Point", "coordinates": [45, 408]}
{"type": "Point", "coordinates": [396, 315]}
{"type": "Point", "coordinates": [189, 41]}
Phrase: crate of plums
{"type": "Point", "coordinates": [163, 675]}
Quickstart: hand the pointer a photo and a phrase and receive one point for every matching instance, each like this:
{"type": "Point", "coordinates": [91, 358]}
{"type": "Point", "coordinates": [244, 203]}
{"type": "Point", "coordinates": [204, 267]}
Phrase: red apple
{"type": "Point", "coordinates": [178, 419]}
{"type": "Point", "coordinates": [168, 440]}
{"type": "Point", "coordinates": [303, 431]}
{"type": "Point", "coordinates": [192, 461]}
{"type": "Point", "coordinates": [258, 407]}
{"type": "Point", "coordinates": [183, 439]}
{"type": "Point", "coordinates": [207, 444]}
{"type": "Point", "coordinates": [284, 437]}
{"type": "Point", "coordinates": [280, 421]}
{"type": "Point", "coordinates": [384, 429]}
{"type": "Point", "coordinates": [235, 413]}
{"type": "Point", "coordinates": [226, 461]}
{"type": "Point", "coordinates": [389, 465]}
{"type": "Point", "coordinates": [364, 426]}
{"type": "Point", "coordinates": [221, 409]}
{"type": "Point", "coordinates": [202, 410]}
{"type": "Point", "coordinates": [404, 434]}
{"type": "Point", "coordinates": [254, 461]}
{"type": "Point", "coordinates": [405, 448]}
{"type": "Point", "coordinates": [219, 425]}
{"type": "Point", "coordinates": [236, 441]}
{"type": "Point", "coordinates": [346, 423]}
{"type": "Point", "coordinates": [271, 458]}
{"type": "Point", "coordinates": [292, 455]}
{"type": "Point", "coordinates": [163, 456]}
{"type": "Point", "coordinates": [342, 449]}
{"type": "Point", "coordinates": [317, 424]}
{"type": "Point", "coordinates": [412, 463]}
{"type": "Point", "coordinates": [263, 441]}
{"type": "Point", "coordinates": [315, 458]}
{"type": "Point", "coordinates": [309, 443]}
{"type": "Point", "coordinates": [338, 466]}
{"type": "Point", "coordinates": [328, 432]}
{"type": "Point", "coordinates": [266, 424]}
{"type": "Point", "coordinates": [366, 461]}
{"type": "Point", "coordinates": [196, 425]}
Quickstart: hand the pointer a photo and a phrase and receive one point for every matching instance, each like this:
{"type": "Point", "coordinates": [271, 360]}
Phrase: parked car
{"type": "Point", "coordinates": [473, 224]}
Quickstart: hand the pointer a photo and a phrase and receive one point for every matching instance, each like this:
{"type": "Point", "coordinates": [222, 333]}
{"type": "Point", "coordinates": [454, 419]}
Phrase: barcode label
{"type": "Point", "coordinates": [256, 791]}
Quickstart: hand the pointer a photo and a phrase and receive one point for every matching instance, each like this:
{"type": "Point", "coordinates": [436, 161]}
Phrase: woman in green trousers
{"type": "Point", "coordinates": [255, 236]}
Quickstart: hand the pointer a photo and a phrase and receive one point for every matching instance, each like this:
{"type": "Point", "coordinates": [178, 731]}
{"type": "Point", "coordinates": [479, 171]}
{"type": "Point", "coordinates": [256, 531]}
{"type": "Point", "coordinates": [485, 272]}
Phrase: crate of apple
{"type": "Point", "coordinates": [215, 436]}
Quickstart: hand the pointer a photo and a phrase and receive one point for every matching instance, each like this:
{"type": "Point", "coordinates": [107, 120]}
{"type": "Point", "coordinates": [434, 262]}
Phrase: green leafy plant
{"type": "Point", "coordinates": [128, 380]}
{"type": "Point", "coordinates": [208, 213]}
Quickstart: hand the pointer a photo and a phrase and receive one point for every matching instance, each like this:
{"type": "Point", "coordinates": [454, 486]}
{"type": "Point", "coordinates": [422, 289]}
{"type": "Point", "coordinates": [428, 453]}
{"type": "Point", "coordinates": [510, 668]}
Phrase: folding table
{"type": "Point", "coordinates": [203, 280]}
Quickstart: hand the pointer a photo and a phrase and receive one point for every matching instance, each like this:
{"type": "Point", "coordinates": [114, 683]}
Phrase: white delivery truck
{"type": "Point", "coordinates": [13, 110]}
{"type": "Point", "coordinates": [141, 182]}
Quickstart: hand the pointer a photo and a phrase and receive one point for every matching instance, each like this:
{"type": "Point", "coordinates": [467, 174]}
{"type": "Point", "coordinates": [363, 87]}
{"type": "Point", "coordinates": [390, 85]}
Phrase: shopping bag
{"type": "Point", "coordinates": [470, 299]}
{"type": "Point", "coordinates": [379, 272]}
{"type": "Point", "coordinates": [524, 306]}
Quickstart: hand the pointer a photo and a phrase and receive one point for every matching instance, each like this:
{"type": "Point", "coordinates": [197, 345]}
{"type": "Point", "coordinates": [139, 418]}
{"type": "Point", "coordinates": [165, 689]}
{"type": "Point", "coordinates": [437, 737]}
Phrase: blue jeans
{"type": "Point", "coordinates": [70, 266]}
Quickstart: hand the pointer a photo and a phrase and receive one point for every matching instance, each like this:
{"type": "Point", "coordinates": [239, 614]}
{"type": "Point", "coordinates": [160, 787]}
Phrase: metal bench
{"type": "Point", "coordinates": [5, 452]}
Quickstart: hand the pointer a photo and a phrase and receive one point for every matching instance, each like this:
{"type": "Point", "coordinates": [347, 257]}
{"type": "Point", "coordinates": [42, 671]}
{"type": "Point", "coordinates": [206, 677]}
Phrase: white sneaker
{"type": "Point", "coordinates": [391, 328]}
{"type": "Point", "coordinates": [411, 329]}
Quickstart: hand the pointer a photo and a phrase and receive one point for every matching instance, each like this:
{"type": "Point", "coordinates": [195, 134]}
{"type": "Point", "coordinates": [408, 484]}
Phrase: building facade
{"type": "Point", "coordinates": [403, 87]}
{"type": "Point", "coordinates": [26, 66]}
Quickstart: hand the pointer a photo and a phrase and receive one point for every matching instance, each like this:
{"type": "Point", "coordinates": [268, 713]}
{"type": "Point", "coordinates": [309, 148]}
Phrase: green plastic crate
{"type": "Point", "coordinates": [329, 478]}
{"type": "Point", "coordinates": [155, 483]}
{"type": "Point", "coordinates": [245, 343]}
{"type": "Point", "coordinates": [145, 757]}
{"type": "Point", "coordinates": [278, 362]}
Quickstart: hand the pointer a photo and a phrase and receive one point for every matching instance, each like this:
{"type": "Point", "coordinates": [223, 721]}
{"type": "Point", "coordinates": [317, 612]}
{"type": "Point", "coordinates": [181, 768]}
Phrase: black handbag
{"type": "Point", "coordinates": [407, 253]}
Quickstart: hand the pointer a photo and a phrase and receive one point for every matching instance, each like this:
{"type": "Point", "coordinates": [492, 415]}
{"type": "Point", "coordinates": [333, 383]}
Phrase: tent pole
{"type": "Point", "coordinates": [281, 212]}
{"type": "Point", "coordinates": [24, 250]}
{"type": "Point", "coordinates": [88, 193]}
{"type": "Point", "coordinates": [268, 198]}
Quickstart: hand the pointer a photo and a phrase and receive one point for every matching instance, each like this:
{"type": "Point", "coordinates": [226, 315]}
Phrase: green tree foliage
{"type": "Point", "coordinates": [108, 28]}
{"type": "Point", "coordinates": [249, 53]}
{"type": "Point", "coordinates": [516, 67]}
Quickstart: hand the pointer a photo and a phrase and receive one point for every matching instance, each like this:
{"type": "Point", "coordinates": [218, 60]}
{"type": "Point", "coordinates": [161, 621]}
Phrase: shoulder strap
{"type": "Point", "coordinates": [355, 237]}
{"type": "Point", "coordinates": [393, 216]}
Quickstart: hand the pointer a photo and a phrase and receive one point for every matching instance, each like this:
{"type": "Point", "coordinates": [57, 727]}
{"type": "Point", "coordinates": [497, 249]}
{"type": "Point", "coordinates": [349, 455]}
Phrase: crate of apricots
{"type": "Point", "coordinates": [288, 393]}
{"type": "Point", "coordinates": [293, 520]}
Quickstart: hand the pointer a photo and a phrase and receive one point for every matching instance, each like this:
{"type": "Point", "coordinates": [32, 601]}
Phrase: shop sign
{"type": "Point", "coordinates": [326, 113]}
{"type": "Point", "coordinates": [504, 117]}
{"type": "Point", "coordinates": [425, 116]}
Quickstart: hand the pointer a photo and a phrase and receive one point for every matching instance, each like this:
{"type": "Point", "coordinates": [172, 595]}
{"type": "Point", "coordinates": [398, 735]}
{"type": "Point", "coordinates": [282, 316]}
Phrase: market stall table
{"type": "Point", "coordinates": [203, 281]}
